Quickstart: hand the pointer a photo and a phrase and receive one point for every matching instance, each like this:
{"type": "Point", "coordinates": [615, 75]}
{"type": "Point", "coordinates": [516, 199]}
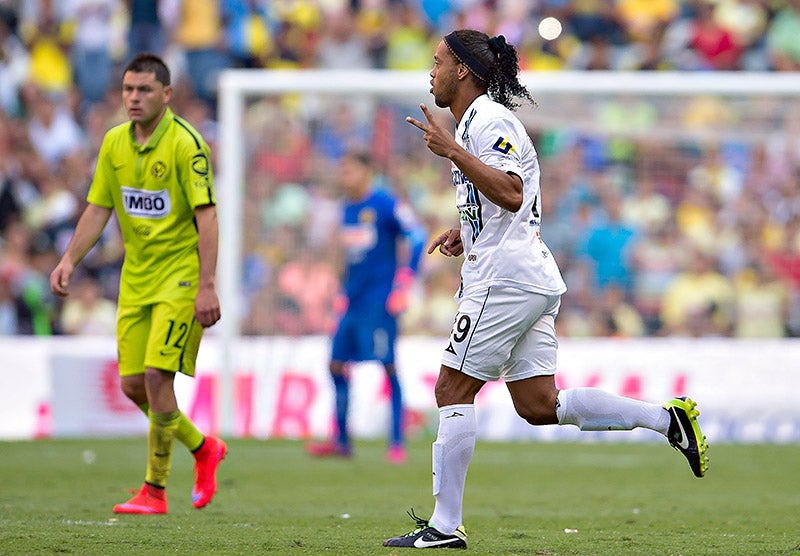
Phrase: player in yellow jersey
{"type": "Point", "coordinates": [154, 172]}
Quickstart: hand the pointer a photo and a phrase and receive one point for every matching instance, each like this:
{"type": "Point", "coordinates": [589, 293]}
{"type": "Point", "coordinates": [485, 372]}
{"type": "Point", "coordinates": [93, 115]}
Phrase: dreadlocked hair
{"type": "Point", "coordinates": [500, 57]}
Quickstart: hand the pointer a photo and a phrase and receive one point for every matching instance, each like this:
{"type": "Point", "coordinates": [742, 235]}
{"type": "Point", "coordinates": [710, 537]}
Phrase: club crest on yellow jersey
{"type": "Point", "coordinates": [158, 170]}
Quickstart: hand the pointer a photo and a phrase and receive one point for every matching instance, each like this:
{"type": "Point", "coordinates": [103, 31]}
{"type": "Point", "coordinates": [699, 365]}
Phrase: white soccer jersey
{"type": "Point", "coordinates": [502, 248]}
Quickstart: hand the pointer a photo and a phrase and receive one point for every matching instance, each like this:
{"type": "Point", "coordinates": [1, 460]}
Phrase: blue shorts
{"type": "Point", "coordinates": [365, 335]}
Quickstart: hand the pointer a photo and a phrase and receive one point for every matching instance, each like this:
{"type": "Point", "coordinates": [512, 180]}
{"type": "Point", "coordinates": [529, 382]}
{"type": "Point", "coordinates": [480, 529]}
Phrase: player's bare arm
{"type": "Point", "coordinates": [449, 243]}
{"type": "Point", "coordinates": [87, 232]}
{"type": "Point", "coordinates": [504, 190]}
{"type": "Point", "coordinates": [206, 305]}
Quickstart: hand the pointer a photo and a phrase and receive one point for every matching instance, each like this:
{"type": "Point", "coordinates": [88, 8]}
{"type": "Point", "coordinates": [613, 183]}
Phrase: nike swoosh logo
{"type": "Point", "coordinates": [684, 443]}
{"type": "Point", "coordinates": [455, 414]}
{"type": "Point", "coordinates": [422, 543]}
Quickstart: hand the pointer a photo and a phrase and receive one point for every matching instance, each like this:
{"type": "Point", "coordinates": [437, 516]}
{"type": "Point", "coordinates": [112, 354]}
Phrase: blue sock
{"type": "Point", "coordinates": [397, 410]}
{"type": "Point", "coordinates": [342, 388]}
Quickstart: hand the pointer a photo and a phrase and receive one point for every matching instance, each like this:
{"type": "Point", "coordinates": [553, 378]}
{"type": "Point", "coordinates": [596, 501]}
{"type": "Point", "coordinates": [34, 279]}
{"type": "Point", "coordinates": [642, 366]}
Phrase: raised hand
{"type": "Point", "coordinates": [440, 141]}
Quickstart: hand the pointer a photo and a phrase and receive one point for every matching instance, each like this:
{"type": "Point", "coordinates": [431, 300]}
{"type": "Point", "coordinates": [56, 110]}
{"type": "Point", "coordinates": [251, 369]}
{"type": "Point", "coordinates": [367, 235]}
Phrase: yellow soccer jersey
{"type": "Point", "coordinates": [154, 189]}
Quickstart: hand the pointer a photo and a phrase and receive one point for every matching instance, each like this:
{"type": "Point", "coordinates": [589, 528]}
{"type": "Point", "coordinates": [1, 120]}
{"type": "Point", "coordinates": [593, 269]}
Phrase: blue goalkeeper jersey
{"type": "Point", "coordinates": [370, 233]}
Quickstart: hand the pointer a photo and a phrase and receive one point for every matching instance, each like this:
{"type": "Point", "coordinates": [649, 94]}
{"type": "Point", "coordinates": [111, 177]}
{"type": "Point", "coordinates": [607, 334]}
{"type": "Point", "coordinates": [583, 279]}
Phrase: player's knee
{"type": "Point", "coordinates": [537, 412]}
{"type": "Point", "coordinates": [390, 369]}
{"type": "Point", "coordinates": [128, 390]}
{"type": "Point", "coordinates": [134, 390]}
{"type": "Point", "coordinates": [449, 394]}
{"type": "Point", "coordinates": [336, 368]}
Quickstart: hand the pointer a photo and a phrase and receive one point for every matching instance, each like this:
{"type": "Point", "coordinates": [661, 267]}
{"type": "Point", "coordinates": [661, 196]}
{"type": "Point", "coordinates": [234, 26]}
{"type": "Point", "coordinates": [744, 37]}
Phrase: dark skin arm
{"type": "Point", "coordinates": [501, 188]}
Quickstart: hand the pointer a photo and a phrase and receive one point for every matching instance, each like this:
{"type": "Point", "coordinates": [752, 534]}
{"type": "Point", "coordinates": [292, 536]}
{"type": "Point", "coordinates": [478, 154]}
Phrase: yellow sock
{"type": "Point", "coordinates": [187, 434]}
{"type": "Point", "coordinates": [160, 439]}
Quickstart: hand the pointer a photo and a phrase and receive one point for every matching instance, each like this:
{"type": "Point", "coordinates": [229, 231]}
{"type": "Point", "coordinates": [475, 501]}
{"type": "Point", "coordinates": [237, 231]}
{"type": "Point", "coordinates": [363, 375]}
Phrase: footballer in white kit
{"type": "Point", "coordinates": [510, 286]}
{"type": "Point", "coordinates": [505, 259]}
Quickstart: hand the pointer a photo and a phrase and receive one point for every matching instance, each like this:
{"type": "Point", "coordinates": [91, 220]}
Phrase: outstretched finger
{"type": "Point", "coordinates": [437, 242]}
{"type": "Point", "coordinates": [428, 115]}
{"type": "Point", "coordinates": [416, 123]}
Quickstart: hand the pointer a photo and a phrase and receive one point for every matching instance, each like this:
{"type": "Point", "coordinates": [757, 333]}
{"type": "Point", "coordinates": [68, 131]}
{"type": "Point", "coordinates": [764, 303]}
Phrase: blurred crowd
{"type": "Point", "coordinates": [667, 237]}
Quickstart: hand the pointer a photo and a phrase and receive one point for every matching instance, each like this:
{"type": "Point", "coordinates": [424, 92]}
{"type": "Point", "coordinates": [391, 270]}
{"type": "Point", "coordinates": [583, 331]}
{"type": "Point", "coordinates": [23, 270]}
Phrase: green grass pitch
{"type": "Point", "coordinates": [522, 499]}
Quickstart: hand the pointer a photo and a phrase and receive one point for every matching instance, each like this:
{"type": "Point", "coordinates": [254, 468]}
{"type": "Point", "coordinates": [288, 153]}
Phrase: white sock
{"type": "Point", "coordinates": [452, 452]}
{"type": "Point", "coordinates": [592, 409]}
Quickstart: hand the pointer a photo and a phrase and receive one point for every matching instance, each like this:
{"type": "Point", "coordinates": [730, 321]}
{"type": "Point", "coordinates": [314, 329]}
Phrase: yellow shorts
{"type": "Point", "coordinates": [164, 336]}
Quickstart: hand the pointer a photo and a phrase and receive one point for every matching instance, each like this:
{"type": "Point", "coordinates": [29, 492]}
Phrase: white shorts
{"type": "Point", "coordinates": [502, 332]}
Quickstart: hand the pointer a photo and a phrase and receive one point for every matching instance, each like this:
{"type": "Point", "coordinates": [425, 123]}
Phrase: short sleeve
{"type": "Point", "coordinates": [104, 175]}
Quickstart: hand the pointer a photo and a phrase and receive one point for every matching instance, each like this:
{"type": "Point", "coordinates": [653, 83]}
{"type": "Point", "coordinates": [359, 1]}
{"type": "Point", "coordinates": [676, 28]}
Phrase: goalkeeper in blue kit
{"type": "Point", "coordinates": [382, 243]}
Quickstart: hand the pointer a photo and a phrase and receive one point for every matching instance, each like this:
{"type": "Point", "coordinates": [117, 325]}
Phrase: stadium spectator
{"type": "Point", "coordinates": [612, 316]}
{"type": "Point", "coordinates": [783, 201]}
{"type": "Point", "coordinates": [762, 303]}
{"type": "Point", "coordinates": [371, 21]}
{"type": "Point", "coordinates": [747, 20]}
{"type": "Point", "coordinates": [8, 308]}
{"type": "Point", "coordinates": [645, 207]}
{"type": "Point", "coordinates": [434, 314]}
{"type": "Point", "coordinates": [341, 46]}
{"type": "Point", "coordinates": [715, 174]}
{"type": "Point", "coordinates": [22, 257]}
{"type": "Point", "coordinates": [767, 168]}
{"type": "Point", "coordinates": [248, 32]}
{"type": "Point", "coordinates": [699, 301]}
{"type": "Point", "coordinates": [92, 41]}
{"type": "Point", "coordinates": [341, 131]}
{"type": "Point", "coordinates": [13, 65]}
{"type": "Point", "coordinates": [297, 36]}
{"type": "Point", "coordinates": [381, 243]}
{"type": "Point", "coordinates": [168, 296]}
{"type": "Point", "coordinates": [642, 18]}
{"type": "Point", "coordinates": [55, 210]}
{"type": "Point", "coordinates": [200, 36]}
{"type": "Point", "coordinates": [146, 33]}
{"type": "Point", "coordinates": [511, 284]}
{"type": "Point", "coordinates": [39, 316]}
{"type": "Point", "coordinates": [595, 54]}
{"type": "Point", "coordinates": [715, 46]}
{"type": "Point", "coordinates": [696, 217]}
{"type": "Point", "coordinates": [11, 190]}
{"type": "Point", "coordinates": [657, 258]}
{"type": "Point", "coordinates": [608, 245]}
{"type": "Point", "coordinates": [86, 312]}
{"type": "Point", "coordinates": [589, 18]}
{"type": "Point", "coordinates": [407, 38]}
{"type": "Point", "coordinates": [307, 286]}
{"type": "Point", "coordinates": [783, 47]}
{"type": "Point", "coordinates": [45, 34]}
{"type": "Point", "coordinates": [53, 131]}
{"type": "Point", "coordinates": [281, 147]}
{"type": "Point", "coordinates": [783, 261]}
